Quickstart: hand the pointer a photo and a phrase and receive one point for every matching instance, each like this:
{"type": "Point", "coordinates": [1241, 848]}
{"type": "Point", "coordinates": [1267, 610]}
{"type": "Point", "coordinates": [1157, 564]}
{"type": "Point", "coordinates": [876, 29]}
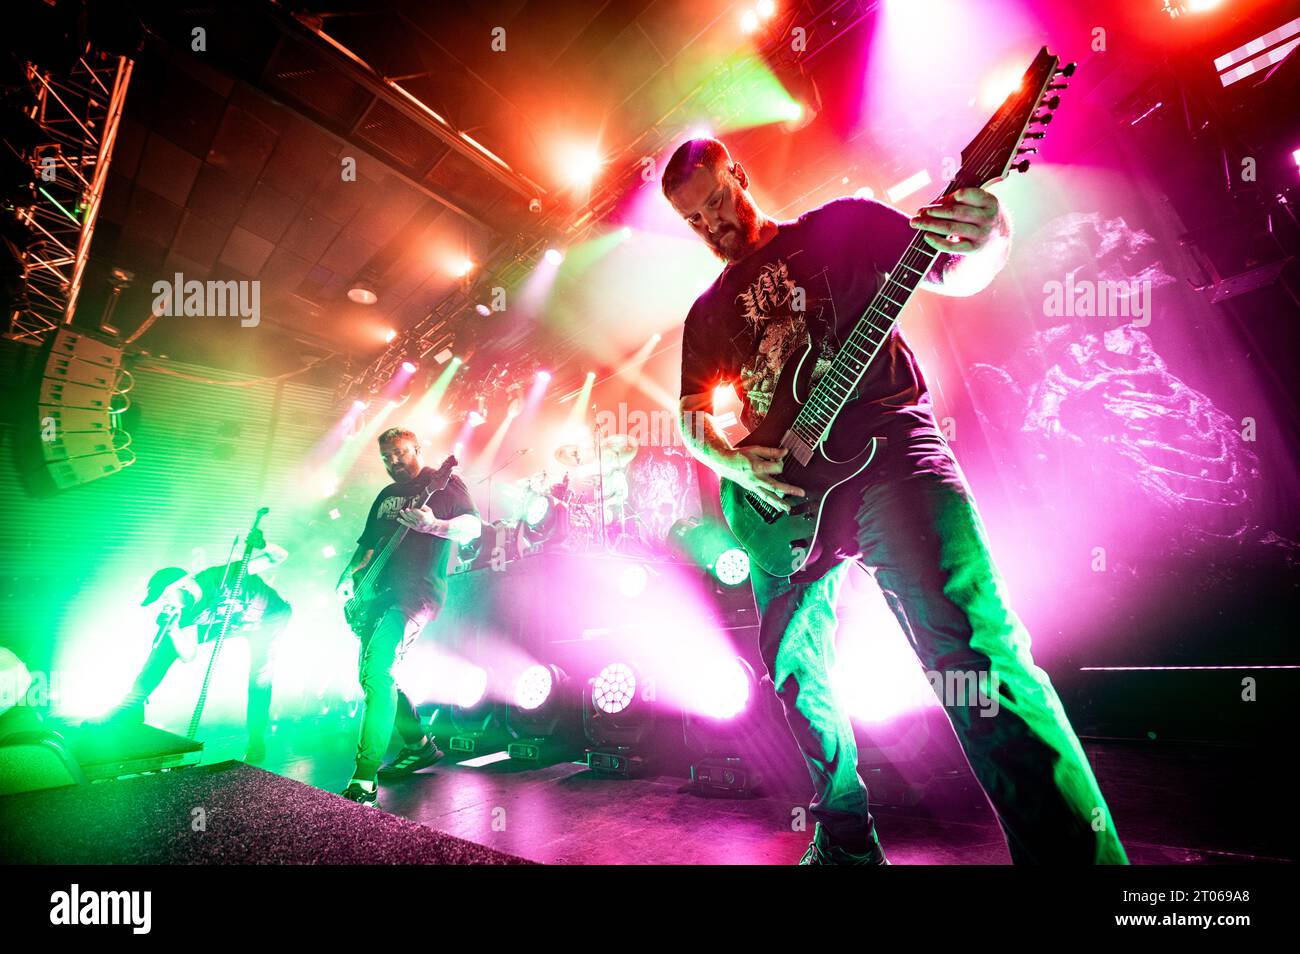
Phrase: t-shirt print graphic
{"type": "Point", "coordinates": [779, 331]}
{"type": "Point", "coordinates": [390, 507]}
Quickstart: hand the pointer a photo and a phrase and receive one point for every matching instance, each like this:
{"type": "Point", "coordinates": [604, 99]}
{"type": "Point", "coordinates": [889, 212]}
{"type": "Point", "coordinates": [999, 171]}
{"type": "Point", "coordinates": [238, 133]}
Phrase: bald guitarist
{"type": "Point", "coordinates": [909, 516]}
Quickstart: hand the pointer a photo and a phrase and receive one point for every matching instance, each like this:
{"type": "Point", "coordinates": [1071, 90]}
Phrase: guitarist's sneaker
{"type": "Point", "coordinates": [822, 852]}
{"type": "Point", "coordinates": [358, 794]}
{"type": "Point", "coordinates": [409, 761]}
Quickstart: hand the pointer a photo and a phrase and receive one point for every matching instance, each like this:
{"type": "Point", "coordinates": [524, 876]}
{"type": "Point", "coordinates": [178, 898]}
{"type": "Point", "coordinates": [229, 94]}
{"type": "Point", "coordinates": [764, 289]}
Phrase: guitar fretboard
{"type": "Point", "coordinates": [837, 384]}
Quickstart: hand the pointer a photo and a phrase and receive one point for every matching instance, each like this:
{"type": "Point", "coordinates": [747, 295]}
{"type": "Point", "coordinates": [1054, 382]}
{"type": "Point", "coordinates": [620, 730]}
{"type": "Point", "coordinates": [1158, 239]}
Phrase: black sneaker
{"type": "Point", "coordinates": [355, 793]}
{"type": "Point", "coordinates": [409, 761]}
{"type": "Point", "coordinates": [822, 852]}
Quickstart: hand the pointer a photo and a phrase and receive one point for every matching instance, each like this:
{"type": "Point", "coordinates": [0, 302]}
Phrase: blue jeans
{"type": "Point", "coordinates": [916, 526]}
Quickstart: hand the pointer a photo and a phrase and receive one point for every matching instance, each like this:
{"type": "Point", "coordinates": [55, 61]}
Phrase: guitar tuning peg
{"type": "Point", "coordinates": [1043, 119]}
{"type": "Point", "coordinates": [1034, 135]}
{"type": "Point", "coordinates": [1059, 86]}
{"type": "Point", "coordinates": [1021, 166]}
{"type": "Point", "coordinates": [1052, 103]}
{"type": "Point", "coordinates": [1022, 150]}
{"type": "Point", "coordinates": [1067, 70]}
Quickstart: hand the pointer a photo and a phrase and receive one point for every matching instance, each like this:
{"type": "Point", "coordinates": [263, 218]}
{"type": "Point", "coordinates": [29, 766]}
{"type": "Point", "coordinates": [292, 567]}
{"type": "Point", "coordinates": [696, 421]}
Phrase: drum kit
{"type": "Point", "coordinates": [589, 507]}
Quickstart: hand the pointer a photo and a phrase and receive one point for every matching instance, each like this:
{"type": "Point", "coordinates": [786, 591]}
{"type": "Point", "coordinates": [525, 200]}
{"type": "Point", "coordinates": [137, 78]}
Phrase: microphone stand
{"type": "Point", "coordinates": [597, 432]}
{"type": "Point", "coordinates": [488, 479]}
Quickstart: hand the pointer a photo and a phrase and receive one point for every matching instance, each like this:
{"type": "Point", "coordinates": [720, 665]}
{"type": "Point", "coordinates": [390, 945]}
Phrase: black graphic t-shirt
{"type": "Point", "coordinates": [417, 572]}
{"type": "Point", "coordinates": [748, 323]}
{"type": "Point", "coordinates": [255, 596]}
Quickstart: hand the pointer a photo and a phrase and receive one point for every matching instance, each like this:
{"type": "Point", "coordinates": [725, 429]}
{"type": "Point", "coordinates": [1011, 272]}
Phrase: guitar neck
{"type": "Point", "coordinates": [841, 379]}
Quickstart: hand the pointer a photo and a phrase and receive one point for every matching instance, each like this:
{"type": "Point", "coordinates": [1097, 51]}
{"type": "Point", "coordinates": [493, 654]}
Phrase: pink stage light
{"type": "Point", "coordinates": [721, 688]}
{"type": "Point", "coordinates": [471, 686]}
{"type": "Point", "coordinates": [534, 687]}
{"type": "Point", "coordinates": [614, 688]}
{"type": "Point", "coordinates": [554, 256]}
{"type": "Point", "coordinates": [632, 580]}
{"type": "Point", "coordinates": [409, 367]}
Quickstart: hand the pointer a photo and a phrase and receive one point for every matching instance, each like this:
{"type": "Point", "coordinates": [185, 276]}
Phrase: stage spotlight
{"type": "Point", "coordinates": [483, 310]}
{"type": "Point", "coordinates": [543, 376]}
{"type": "Point", "coordinates": [537, 510]}
{"type": "Point", "coordinates": [617, 720]}
{"type": "Point", "coordinates": [720, 724]}
{"type": "Point", "coordinates": [328, 552]}
{"type": "Point", "coordinates": [708, 543]}
{"type": "Point", "coordinates": [725, 688]}
{"type": "Point", "coordinates": [553, 256]}
{"type": "Point", "coordinates": [389, 335]}
{"type": "Point", "coordinates": [534, 687]}
{"type": "Point", "coordinates": [614, 688]}
{"type": "Point", "coordinates": [473, 715]}
{"type": "Point", "coordinates": [732, 566]}
{"type": "Point", "coordinates": [864, 192]}
{"type": "Point", "coordinates": [542, 721]}
{"type": "Point", "coordinates": [471, 687]}
{"type": "Point", "coordinates": [359, 405]}
{"type": "Point", "coordinates": [749, 21]}
{"type": "Point", "coordinates": [581, 166]}
{"type": "Point", "coordinates": [475, 419]}
{"type": "Point", "coordinates": [409, 367]}
{"type": "Point", "coordinates": [437, 423]}
{"type": "Point", "coordinates": [546, 520]}
{"type": "Point", "coordinates": [363, 293]}
{"type": "Point", "coordinates": [765, 9]}
{"type": "Point", "coordinates": [461, 267]}
{"type": "Point", "coordinates": [443, 356]}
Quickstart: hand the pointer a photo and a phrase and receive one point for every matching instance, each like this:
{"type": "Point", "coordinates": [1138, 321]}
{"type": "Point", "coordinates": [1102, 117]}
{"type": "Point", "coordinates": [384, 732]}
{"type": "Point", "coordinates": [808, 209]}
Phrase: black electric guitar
{"type": "Point", "coordinates": [367, 605]}
{"type": "Point", "coordinates": [802, 417]}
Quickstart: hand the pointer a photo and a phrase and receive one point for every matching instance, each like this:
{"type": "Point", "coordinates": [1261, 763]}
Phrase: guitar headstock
{"type": "Point", "coordinates": [994, 152]}
{"type": "Point", "coordinates": [445, 468]}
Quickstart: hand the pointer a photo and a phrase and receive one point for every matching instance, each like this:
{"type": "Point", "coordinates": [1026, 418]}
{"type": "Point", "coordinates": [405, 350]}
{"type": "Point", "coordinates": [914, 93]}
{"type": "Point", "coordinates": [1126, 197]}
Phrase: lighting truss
{"type": "Point", "coordinates": [78, 112]}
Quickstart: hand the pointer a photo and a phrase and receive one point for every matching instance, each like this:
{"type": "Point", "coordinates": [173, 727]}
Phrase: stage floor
{"type": "Point", "coordinates": [1176, 803]}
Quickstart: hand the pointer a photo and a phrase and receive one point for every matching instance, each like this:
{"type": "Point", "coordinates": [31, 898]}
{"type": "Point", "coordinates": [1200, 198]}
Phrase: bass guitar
{"type": "Point", "coordinates": [368, 603]}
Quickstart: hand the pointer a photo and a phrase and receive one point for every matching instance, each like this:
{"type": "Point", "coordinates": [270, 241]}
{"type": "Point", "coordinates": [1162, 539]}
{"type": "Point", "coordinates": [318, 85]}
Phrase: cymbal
{"type": "Point", "coordinates": [574, 455]}
{"type": "Point", "coordinates": [617, 451]}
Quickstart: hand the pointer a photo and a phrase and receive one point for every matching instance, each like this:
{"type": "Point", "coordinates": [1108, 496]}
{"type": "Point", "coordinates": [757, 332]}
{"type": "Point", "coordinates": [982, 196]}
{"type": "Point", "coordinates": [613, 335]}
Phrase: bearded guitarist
{"type": "Point", "coordinates": [909, 516]}
{"type": "Point", "coordinates": [411, 590]}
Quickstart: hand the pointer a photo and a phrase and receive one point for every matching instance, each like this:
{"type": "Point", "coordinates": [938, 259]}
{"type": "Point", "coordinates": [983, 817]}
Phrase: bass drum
{"type": "Point", "coordinates": [662, 488]}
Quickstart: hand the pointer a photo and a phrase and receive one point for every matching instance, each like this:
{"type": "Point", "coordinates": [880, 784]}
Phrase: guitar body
{"type": "Point", "coordinates": [783, 544]}
{"type": "Point", "coordinates": [366, 608]}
